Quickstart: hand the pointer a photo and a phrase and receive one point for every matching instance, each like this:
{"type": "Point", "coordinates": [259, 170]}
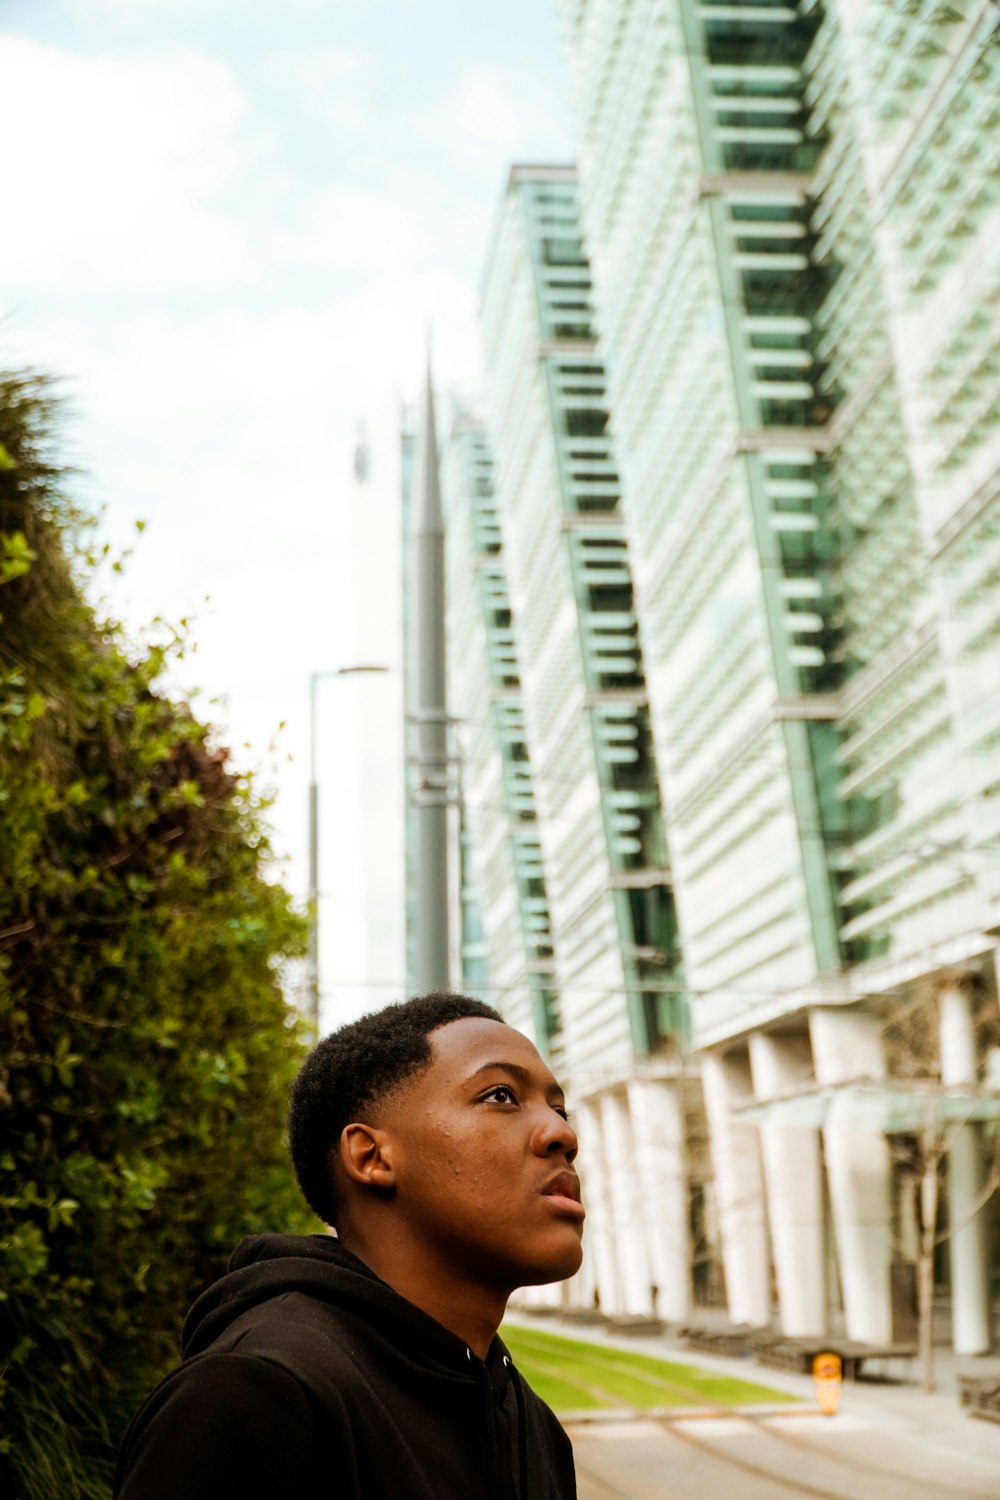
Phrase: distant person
{"type": "Point", "coordinates": [367, 1366]}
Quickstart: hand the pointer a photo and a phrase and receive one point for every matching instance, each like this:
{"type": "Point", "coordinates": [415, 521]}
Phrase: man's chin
{"type": "Point", "coordinates": [557, 1268]}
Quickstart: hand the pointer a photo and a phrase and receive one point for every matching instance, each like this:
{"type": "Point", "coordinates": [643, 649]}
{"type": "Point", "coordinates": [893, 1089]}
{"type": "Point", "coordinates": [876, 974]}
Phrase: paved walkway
{"type": "Point", "coordinates": [903, 1409]}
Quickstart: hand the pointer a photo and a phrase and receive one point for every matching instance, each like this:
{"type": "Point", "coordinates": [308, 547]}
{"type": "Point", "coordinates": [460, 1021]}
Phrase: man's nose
{"type": "Point", "coordinates": [556, 1136]}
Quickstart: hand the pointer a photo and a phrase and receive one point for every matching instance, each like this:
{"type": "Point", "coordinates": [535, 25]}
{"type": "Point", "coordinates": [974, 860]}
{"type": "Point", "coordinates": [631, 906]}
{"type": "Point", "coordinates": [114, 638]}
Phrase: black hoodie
{"type": "Point", "coordinates": [305, 1375]}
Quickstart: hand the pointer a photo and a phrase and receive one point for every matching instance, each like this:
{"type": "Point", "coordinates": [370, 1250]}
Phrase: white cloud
{"type": "Point", "coordinates": [351, 230]}
{"type": "Point", "coordinates": [331, 87]}
{"type": "Point", "coordinates": [139, 14]}
{"type": "Point", "coordinates": [232, 436]}
{"type": "Point", "coordinates": [184, 387]}
{"type": "Point", "coordinates": [116, 163]}
{"type": "Point", "coordinates": [492, 115]}
{"type": "Point", "coordinates": [499, 112]}
{"type": "Point", "coordinates": [230, 427]}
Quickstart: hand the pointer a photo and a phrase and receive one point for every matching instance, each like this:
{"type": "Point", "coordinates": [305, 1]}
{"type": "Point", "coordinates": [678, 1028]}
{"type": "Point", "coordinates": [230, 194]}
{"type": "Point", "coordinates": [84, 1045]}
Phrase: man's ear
{"type": "Point", "coordinates": [366, 1156]}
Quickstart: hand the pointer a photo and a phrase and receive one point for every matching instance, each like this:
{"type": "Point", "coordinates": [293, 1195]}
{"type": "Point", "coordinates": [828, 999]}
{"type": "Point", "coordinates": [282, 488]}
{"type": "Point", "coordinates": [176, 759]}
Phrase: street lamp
{"type": "Point", "coordinates": [313, 955]}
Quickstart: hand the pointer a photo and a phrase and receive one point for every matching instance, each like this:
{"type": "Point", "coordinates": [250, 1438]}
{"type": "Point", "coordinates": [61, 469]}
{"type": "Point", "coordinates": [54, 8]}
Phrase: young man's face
{"type": "Point", "coordinates": [483, 1156]}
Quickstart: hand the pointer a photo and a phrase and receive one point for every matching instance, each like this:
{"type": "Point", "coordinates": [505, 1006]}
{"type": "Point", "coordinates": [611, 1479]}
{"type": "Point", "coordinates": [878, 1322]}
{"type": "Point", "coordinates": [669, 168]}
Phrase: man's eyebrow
{"type": "Point", "coordinates": [523, 1075]}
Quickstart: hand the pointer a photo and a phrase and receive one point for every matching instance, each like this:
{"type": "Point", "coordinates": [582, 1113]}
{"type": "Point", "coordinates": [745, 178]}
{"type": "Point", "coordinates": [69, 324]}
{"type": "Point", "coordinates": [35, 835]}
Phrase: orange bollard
{"type": "Point", "coordinates": [828, 1379]}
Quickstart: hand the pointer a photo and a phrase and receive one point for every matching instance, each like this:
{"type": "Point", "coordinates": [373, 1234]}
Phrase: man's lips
{"type": "Point", "coordinates": [564, 1192]}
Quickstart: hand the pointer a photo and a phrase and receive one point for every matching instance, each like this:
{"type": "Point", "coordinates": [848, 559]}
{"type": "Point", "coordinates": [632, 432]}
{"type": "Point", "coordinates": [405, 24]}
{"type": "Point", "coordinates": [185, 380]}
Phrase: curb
{"type": "Point", "coordinates": [589, 1417]}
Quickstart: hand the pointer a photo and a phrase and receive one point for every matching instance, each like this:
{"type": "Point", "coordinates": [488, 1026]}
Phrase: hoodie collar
{"type": "Point", "coordinates": [319, 1266]}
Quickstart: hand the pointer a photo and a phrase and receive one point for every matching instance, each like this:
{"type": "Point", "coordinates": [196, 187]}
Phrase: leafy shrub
{"type": "Point", "coordinates": [145, 1045]}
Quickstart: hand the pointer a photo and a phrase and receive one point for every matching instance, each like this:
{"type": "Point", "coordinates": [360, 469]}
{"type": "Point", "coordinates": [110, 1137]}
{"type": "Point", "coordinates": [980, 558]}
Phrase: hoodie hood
{"type": "Point", "coordinates": [268, 1266]}
{"type": "Point", "coordinates": [313, 1367]}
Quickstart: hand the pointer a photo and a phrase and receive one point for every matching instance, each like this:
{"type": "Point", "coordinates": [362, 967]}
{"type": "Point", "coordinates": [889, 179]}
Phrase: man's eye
{"type": "Point", "coordinates": [502, 1094]}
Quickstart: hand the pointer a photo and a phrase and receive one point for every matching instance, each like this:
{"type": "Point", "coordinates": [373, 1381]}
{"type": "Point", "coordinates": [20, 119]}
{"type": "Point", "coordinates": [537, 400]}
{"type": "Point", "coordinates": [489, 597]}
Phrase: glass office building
{"type": "Point", "coordinates": [502, 854]}
{"type": "Point", "coordinates": [617, 1010]}
{"type": "Point", "coordinates": [792, 212]}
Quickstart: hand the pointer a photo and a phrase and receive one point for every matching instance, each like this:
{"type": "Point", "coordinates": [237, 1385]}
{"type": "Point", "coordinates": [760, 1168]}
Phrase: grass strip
{"type": "Point", "coordinates": [561, 1392]}
{"type": "Point", "coordinates": [642, 1380]}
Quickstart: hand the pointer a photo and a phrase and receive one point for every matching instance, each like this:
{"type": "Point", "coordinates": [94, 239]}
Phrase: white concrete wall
{"type": "Point", "coordinates": [625, 1188]}
{"type": "Point", "coordinates": [599, 1235]}
{"type": "Point", "coordinates": [970, 1280]}
{"type": "Point", "coordinates": [657, 1113]}
{"type": "Point", "coordinates": [793, 1176]}
{"type": "Point", "coordinates": [847, 1045]}
{"type": "Point", "coordinates": [739, 1187]}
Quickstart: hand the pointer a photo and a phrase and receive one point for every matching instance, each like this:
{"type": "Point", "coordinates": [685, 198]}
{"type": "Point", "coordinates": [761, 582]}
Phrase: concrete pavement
{"type": "Point", "coordinates": [932, 1421]}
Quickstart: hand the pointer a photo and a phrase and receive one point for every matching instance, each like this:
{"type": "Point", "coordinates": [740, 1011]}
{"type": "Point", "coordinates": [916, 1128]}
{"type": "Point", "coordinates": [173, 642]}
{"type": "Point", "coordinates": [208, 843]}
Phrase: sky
{"type": "Point", "coordinates": [230, 227]}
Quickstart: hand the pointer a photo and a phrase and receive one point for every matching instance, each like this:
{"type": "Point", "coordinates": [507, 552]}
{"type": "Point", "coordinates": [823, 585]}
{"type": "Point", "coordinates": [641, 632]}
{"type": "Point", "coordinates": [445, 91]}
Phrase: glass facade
{"type": "Point", "coordinates": [503, 848]}
{"type": "Point", "coordinates": [558, 503]}
{"type": "Point", "coordinates": [792, 211]}
{"type": "Point", "coordinates": [697, 150]}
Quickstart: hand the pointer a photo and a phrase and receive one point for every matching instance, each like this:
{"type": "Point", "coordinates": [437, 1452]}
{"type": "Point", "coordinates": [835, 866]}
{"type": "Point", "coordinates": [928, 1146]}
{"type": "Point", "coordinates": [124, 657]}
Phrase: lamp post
{"type": "Point", "coordinates": [313, 951]}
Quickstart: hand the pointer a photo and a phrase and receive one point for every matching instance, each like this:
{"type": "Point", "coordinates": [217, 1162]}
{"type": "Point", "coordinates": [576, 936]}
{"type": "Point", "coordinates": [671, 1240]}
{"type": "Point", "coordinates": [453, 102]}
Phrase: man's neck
{"type": "Point", "coordinates": [468, 1309]}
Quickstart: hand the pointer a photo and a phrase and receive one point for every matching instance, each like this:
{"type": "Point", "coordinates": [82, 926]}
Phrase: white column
{"type": "Point", "coordinates": [598, 1229]}
{"type": "Point", "coordinates": [657, 1112]}
{"type": "Point", "coordinates": [578, 1291]}
{"type": "Point", "coordinates": [847, 1045]}
{"type": "Point", "coordinates": [793, 1175]}
{"type": "Point", "coordinates": [970, 1289]}
{"type": "Point", "coordinates": [624, 1189]}
{"type": "Point", "coordinates": [739, 1188]}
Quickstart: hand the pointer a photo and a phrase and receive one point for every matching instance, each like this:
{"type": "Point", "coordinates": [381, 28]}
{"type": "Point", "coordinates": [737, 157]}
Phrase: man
{"type": "Point", "coordinates": [434, 1139]}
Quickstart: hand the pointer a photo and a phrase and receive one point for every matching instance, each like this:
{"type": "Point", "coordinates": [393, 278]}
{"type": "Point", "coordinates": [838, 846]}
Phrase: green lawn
{"type": "Point", "coordinates": [572, 1375]}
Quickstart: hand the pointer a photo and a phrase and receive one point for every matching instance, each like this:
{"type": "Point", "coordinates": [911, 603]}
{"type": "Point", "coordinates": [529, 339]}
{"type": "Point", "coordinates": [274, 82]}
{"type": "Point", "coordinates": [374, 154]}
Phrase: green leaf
{"type": "Point", "coordinates": [144, 1034]}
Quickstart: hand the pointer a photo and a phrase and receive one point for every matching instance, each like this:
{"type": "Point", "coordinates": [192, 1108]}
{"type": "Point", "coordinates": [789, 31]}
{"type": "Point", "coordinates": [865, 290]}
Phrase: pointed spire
{"type": "Point", "coordinates": [431, 758]}
{"type": "Point", "coordinates": [427, 518]}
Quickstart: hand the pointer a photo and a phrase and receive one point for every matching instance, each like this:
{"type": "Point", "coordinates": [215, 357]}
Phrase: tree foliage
{"type": "Point", "coordinates": [145, 1045]}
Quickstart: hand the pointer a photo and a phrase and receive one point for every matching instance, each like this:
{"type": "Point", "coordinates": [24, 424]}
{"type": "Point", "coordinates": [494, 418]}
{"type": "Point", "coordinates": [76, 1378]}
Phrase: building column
{"type": "Point", "coordinates": [625, 1189]}
{"type": "Point", "coordinates": [739, 1188]}
{"type": "Point", "coordinates": [578, 1291]}
{"type": "Point", "coordinates": [970, 1283]}
{"type": "Point", "coordinates": [847, 1046]}
{"type": "Point", "coordinates": [792, 1171]}
{"type": "Point", "coordinates": [657, 1111]}
{"type": "Point", "coordinates": [597, 1201]}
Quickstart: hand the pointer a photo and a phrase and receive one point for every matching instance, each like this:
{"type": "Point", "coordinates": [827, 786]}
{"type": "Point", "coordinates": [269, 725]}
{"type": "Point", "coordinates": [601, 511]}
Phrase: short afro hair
{"type": "Point", "coordinates": [354, 1068]}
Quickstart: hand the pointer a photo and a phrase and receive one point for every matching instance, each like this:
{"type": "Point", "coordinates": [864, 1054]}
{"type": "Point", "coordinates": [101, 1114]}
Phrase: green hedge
{"type": "Point", "coordinates": [145, 1044]}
